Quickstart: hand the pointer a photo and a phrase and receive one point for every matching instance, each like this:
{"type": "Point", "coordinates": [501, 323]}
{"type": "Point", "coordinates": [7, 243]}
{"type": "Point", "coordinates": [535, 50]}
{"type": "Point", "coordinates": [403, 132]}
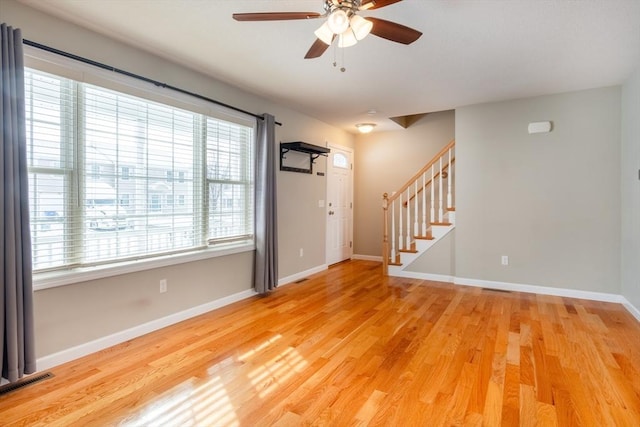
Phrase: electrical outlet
{"type": "Point", "coordinates": [301, 252]}
{"type": "Point", "coordinates": [163, 286]}
{"type": "Point", "coordinates": [505, 260]}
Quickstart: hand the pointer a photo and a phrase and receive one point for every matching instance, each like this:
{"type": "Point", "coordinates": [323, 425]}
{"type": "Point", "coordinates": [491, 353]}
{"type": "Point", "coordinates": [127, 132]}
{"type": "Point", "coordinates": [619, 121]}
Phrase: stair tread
{"type": "Point", "coordinates": [424, 237]}
{"type": "Point", "coordinates": [408, 251]}
{"type": "Point", "coordinates": [441, 223]}
{"type": "Point", "coordinates": [453, 209]}
{"type": "Point", "coordinates": [398, 264]}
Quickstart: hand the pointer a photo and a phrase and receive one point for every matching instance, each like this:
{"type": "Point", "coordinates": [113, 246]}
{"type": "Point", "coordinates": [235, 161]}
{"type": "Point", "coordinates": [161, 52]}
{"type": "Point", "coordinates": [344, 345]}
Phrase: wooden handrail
{"type": "Point", "coordinates": [422, 187]}
{"type": "Point", "coordinates": [423, 170]}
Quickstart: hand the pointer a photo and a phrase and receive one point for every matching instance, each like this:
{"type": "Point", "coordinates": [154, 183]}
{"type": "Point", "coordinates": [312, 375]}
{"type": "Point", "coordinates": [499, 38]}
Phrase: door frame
{"type": "Point", "coordinates": [351, 180]}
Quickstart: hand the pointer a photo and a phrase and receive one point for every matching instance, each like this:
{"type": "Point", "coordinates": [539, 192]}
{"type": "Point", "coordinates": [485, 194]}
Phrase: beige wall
{"type": "Point", "coordinates": [551, 202]}
{"type": "Point", "coordinates": [631, 189]}
{"type": "Point", "coordinates": [384, 161]}
{"type": "Point", "coordinates": [75, 314]}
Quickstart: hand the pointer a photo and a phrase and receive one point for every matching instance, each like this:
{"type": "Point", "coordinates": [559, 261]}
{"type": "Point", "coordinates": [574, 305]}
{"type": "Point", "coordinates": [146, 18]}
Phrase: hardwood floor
{"type": "Point", "coordinates": [350, 347]}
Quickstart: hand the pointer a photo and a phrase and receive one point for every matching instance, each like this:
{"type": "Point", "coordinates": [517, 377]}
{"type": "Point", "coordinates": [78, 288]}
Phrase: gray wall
{"type": "Point", "coordinates": [74, 314]}
{"type": "Point", "coordinates": [69, 315]}
{"type": "Point", "coordinates": [631, 190]}
{"type": "Point", "coordinates": [384, 161]}
{"type": "Point", "coordinates": [439, 259]}
{"type": "Point", "coordinates": [551, 202]}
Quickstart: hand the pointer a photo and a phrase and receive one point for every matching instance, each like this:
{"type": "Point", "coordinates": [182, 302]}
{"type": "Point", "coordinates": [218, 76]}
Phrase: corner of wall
{"type": "Point", "coordinates": [630, 191]}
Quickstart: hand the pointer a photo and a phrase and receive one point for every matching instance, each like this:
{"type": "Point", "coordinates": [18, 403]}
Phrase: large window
{"type": "Point", "coordinates": [113, 177]}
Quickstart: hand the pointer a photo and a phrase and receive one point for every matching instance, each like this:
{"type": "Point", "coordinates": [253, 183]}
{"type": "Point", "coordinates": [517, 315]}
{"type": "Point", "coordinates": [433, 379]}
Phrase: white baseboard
{"type": "Point", "coordinates": [294, 277]}
{"type": "Point", "coordinates": [367, 257]}
{"type": "Point", "coordinates": [635, 312]}
{"type": "Point", "coordinates": [544, 290]}
{"type": "Point", "coordinates": [424, 276]}
{"type": "Point", "coordinates": [516, 287]}
{"type": "Point", "coordinates": [49, 361]}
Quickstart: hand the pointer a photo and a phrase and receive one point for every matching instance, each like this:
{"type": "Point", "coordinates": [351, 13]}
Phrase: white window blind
{"type": "Point", "coordinates": [114, 177]}
{"type": "Point", "coordinates": [49, 106]}
{"type": "Point", "coordinates": [229, 181]}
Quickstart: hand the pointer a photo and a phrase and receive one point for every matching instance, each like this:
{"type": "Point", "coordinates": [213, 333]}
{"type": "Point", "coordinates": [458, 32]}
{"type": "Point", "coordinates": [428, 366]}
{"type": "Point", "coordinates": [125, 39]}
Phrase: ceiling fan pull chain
{"type": "Point", "coordinates": [335, 60]}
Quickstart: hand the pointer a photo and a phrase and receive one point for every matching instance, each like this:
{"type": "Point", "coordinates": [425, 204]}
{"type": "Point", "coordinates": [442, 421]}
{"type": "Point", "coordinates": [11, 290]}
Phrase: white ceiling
{"type": "Point", "coordinates": [472, 51]}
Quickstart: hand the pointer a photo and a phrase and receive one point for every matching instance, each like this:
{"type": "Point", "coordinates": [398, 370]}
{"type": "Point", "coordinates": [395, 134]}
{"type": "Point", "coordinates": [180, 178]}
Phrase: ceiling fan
{"type": "Point", "coordinates": [343, 23]}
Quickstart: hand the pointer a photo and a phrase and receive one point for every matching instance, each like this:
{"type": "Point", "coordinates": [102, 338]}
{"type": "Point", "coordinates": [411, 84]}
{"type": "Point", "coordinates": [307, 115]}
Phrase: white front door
{"type": "Point", "coordinates": [339, 207]}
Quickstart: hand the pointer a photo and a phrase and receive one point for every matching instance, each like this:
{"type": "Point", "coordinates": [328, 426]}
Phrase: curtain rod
{"type": "Point", "coordinates": [137, 76]}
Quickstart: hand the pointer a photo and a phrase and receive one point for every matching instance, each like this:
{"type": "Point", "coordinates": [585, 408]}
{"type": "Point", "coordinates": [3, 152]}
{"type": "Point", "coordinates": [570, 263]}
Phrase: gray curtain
{"type": "Point", "coordinates": [16, 297]}
{"type": "Point", "coordinates": [266, 257]}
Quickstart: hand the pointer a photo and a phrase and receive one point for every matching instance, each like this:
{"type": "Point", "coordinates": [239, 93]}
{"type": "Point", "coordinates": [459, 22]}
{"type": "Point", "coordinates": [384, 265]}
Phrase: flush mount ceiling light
{"type": "Point", "coordinates": [342, 22]}
{"type": "Point", "coordinates": [365, 127]}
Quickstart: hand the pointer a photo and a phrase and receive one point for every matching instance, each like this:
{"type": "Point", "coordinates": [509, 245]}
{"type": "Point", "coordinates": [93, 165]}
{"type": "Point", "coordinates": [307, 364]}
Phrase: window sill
{"type": "Point", "coordinates": [61, 278]}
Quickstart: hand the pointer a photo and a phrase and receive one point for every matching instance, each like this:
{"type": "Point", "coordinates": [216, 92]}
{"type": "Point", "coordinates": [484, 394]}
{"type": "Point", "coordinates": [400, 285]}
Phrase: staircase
{"type": "Point", "coordinates": [420, 213]}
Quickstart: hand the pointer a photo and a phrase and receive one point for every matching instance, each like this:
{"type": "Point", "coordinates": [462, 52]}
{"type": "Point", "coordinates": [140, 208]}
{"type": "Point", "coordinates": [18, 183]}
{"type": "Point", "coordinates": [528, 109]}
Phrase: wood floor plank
{"type": "Point", "coordinates": [511, 398]}
{"type": "Point", "coordinates": [351, 347]}
{"type": "Point", "coordinates": [528, 406]}
{"type": "Point", "coordinates": [368, 410]}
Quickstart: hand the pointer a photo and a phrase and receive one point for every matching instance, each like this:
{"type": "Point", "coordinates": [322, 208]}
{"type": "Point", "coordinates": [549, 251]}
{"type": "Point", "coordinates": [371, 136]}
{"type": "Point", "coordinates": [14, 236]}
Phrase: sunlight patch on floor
{"type": "Point", "coordinates": [272, 374]}
{"type": "Point", "coordinates": [206, 404]}
{"type": "Point", "coordinates": [247, 355]}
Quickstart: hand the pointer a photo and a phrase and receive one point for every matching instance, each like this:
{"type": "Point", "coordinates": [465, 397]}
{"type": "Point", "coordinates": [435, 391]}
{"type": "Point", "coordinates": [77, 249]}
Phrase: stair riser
{"type": "Point", "coordinates": [440, 230]}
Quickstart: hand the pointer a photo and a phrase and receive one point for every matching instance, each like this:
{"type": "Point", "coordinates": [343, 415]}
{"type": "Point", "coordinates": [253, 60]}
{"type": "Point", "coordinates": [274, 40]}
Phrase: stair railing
{"type": "Point", "coordinates": [424, 202]}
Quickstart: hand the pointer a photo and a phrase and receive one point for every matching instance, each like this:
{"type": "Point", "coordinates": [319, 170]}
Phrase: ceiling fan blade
{"type": "Point", "coordinates": [377, 4]}
{"type": "Point", "coordinates": [394, 32]}
{"type": "Point", "coordinates": [317, 49]}
{"type": "Point", "coordinates": [275, 16]}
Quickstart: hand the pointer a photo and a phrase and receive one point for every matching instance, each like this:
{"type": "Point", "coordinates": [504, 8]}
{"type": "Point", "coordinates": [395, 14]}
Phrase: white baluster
{"type": "Point", "coordinates": [441, 199]}
{"type": "Point", "coordinates": [408, 236]}
{"type": "Point", "coordinates": [400, 231]}
{"type": "Point", "coordinates": [393, 231]}
{"type": "Point", "coordinates": [450, 177]}
{"type": "Point", "coordinates": [432, 217]}
{"type": "Point", "coordinates": [424, 203]}
{"type": "Point", "coordinates": [416, 227]}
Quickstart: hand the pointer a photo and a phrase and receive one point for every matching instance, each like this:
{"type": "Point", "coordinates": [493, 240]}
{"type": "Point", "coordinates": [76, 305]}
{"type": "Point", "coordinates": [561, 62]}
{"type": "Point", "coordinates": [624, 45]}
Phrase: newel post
{"type": "Point", "coordinates": [385, 238]}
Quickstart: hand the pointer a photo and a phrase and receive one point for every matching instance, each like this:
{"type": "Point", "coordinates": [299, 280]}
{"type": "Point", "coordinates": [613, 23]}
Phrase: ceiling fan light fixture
{"type": "Point", "coordinates": [341, 20]}
{"type": "Point", "coordinates": [338, 21]}
{"type": "Point", "coordinates": [347, 39]}
{"type": "Point", "coordinates": [325, 34]}
{"type": "Point", "coordinates": [360, 26]}
{"type": "Point", "coordinates": [365, 127]}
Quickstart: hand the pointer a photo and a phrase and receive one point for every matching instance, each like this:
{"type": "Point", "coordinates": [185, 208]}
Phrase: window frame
{"type": "Point", "coordinates": [84, 73]}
